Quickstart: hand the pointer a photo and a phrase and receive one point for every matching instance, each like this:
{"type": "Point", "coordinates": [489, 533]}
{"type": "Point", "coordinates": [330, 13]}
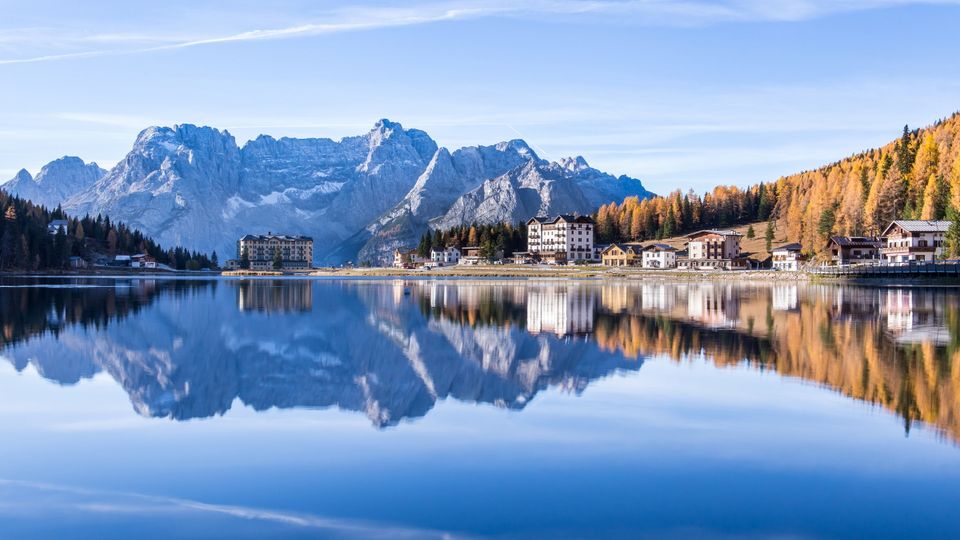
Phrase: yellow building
{"type": "Point", "coordinates": [625, 254]}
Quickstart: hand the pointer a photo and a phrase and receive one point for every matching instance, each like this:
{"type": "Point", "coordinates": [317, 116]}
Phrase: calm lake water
{"type": "Point", "coordinates": [142, 408]}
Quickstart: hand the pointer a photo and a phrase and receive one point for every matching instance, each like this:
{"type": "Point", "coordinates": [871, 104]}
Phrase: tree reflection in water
{"type": "Point", "coordinates": [391, 349]}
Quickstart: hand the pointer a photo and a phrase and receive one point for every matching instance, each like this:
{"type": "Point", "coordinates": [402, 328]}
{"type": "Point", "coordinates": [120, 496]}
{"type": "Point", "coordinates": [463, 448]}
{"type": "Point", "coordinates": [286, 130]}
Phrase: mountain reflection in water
{"type": "Point", "coordinates": [188, 348]}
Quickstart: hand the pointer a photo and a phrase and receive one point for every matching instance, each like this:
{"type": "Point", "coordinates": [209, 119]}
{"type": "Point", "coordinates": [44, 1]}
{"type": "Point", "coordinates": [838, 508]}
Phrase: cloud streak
{"type": "Point", "coordinates": [641, 12]}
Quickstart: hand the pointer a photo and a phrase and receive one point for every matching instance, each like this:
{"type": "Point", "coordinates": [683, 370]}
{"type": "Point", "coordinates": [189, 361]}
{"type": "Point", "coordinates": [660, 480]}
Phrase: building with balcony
{"type": "Point", "coordinates": [846, 250]}
{"type": "Point", "coordinates": [787, 257]}
{"type": "Point", "coordinates": [407, 259]}
{"type": "Point", "coordinates": [296, 252]}
{"type": "Point", "coordinates": [624, 254]}
{"type": "Point", "coordinates": [713, 249]}
{"type": "Point", "coordinates": [561, 239]}
{"type": "Point", "coordinates": [914, 240]}
{"type": "Point", "coordinates": [659, 256]}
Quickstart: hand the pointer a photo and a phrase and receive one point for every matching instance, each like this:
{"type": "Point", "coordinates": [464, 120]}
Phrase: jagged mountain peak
{"type": "Point", "coordinates": [188, 135]}
{"type": "Point", "coordinates": [22, 175]}
{"type": "Point", "coordinates": [574, 164]}
{"type": "Point", "coordinates": [359, 197]}
{"type": "Point", "coordinates": [56, 181]}
{"type": "Point", "coordinates": [389, 142]}
{"type": "Point", "coordinates": [67, 164]}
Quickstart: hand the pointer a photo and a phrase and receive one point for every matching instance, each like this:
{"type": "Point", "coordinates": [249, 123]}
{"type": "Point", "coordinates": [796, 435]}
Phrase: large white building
{"type": "Point", "coordinates": [914, 240]}
{"type": "Point", "coordinates": [561, 239]}
{"type": "Point", "coordinates": [444, 257]}
{"type": "Point", "coordinates": [296, 252]}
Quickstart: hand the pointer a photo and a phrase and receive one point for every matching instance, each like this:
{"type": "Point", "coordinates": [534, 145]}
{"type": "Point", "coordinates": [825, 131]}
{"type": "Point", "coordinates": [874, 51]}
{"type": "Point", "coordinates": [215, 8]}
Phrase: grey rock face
{"type": "Point", "coordinates": [446, 178]}
{"type": "Point", "coordinates": [539, 188]}
{"type": "Point", "coordinates": [359, 198]}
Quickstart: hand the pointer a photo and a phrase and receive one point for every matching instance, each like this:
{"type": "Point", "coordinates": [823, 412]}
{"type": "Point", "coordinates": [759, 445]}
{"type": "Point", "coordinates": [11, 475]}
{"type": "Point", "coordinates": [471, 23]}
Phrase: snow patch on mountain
{"type": "Point", "coordinates": [359, 197]}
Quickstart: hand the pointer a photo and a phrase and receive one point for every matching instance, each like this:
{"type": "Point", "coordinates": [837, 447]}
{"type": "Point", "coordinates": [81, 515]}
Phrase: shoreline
{"type": "Point", "coordinates": [593, 273]}
{"type": "Point", "coordinates": [562, 272]}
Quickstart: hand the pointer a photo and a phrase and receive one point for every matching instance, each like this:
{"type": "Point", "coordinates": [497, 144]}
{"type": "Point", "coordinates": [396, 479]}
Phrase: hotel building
{"type": "Point", "coordinates": [296, 252]}
{"type": "Point", "coordinates": [561, 239]}
{"type": "Point", "coordinates": [713, 249]}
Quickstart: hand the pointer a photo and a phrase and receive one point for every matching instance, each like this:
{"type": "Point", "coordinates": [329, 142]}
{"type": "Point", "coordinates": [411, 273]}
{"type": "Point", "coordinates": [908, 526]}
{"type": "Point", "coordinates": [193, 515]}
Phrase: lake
{"type": "Point", "coordinates": [325, 408]}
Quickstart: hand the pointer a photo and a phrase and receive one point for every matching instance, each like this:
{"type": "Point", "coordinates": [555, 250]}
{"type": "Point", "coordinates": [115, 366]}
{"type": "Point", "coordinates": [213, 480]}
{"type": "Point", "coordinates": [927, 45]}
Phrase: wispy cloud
{"type": "Point", "coordinates": [72, 46]}
{"type": "Point", "coordinates": [344, 21]}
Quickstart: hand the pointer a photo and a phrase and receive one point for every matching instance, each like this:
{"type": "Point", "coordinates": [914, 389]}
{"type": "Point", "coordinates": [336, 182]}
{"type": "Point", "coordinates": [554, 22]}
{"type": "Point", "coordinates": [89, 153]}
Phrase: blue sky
{"type": "Point", "coordinates": [682, 94]}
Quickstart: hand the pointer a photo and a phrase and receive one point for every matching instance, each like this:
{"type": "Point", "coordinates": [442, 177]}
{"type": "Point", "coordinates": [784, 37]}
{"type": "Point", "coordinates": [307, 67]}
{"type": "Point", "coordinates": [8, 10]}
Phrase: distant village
{"type": "Point", "coordinates": [565, 239]}
{"type": "Point", "coordinates": [569, 240]}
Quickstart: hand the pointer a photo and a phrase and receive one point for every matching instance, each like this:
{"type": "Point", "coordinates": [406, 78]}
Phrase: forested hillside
{"type": "Point", "coordinates": [26, 244]}
{"type": "Point", "coordinates": [500, 237]}
{"type": "Point", "coordinates": [916, 176]}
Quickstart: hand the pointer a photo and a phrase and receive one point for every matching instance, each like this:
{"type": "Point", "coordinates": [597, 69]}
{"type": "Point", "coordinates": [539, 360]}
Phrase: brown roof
{"type": "Point", "coordinates": [856, 241]}
{"type": "Point", "coordinates": [713, 231]}
{"type": "Point", "coordinates": [660, 247]}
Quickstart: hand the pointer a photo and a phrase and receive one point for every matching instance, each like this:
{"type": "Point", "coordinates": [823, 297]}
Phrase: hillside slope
{"type": "Point", "coordinates": [916, 176]}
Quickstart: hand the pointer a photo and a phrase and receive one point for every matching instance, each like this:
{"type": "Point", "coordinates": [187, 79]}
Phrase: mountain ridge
{"type": "Point", "coordinates": [360, 197]}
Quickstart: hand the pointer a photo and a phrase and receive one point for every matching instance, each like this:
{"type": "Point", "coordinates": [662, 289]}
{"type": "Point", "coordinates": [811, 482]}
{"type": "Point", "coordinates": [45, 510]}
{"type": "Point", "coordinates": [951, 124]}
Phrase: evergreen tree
{"type": "Point", "coordinates": [768, 237]}
{"type": "Point", "coordinates": [828, 219]}
{"type": "Point", "coordinates": [426, 243]}
{"type": "Point", "coordinates": [951, 240]}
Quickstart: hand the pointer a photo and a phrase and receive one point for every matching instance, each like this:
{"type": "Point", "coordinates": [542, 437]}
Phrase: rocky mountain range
{"type": "Point", "coordinates": [359, 198]}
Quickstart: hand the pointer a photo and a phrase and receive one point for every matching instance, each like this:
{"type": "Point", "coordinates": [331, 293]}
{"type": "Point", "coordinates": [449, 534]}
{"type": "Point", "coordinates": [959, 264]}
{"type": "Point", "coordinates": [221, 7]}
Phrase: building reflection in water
{"type": "Point", "coordinates": [563, 310]}
{"type": "Point", "coordinates": [785, 297]}
{"type": "Point", "coordinates": [714, 305]}
{"type": "Point", "coordinates": [913, 317]}
{"type": "Point", "coordinates": [393, 349]}
{"type": "Point", "coordinates": [274, 295]}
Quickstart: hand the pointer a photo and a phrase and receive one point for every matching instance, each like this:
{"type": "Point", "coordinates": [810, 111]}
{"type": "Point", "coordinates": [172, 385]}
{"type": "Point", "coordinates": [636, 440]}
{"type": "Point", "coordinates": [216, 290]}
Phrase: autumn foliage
{"type": "Point", "coordinates": [917, 176]}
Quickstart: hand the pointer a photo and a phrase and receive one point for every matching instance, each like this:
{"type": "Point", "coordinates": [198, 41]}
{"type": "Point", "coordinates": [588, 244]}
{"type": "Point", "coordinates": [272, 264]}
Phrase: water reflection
{"type": "Point", "coordinates": [392, 349]}
{"type": "Point", "coordinates": [275, 295]}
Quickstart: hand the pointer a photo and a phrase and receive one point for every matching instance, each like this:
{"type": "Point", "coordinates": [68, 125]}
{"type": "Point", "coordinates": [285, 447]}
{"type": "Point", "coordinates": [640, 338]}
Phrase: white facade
{"type": "Point", "coordinates": [787, 258]}
{"type": "Point", "coordinates": [914, 240]}
{"type": "Point", "coordinates": [659, 256]}
{"type": "Point", "coordinates": [572, 236]}
{"type": "Point", "coordinates": [446, 256]}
